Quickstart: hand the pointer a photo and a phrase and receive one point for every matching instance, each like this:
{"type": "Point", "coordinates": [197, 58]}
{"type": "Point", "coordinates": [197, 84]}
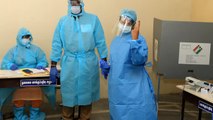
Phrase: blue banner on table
{"type": "Point", "coordinates": [206, 107]}
{"type": "Point", "coordinates": [35, 82]}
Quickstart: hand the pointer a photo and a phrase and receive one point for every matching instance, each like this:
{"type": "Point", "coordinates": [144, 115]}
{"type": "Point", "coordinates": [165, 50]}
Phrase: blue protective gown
{"type": "Point", "coordinates": [78, 37]}
{"type": "Point", "coordinates": [131, 94]}
{"type": "Point", "coordinates": [25, 58]}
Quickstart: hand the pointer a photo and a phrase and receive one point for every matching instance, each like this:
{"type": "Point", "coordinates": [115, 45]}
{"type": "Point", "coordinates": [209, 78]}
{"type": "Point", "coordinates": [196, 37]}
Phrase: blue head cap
{"type": "Point", "coordinates": [129, 13]}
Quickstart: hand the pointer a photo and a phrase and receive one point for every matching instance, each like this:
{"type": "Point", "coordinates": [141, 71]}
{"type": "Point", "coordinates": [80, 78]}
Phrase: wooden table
{"type": "Point", "coordinates": [10, 78]}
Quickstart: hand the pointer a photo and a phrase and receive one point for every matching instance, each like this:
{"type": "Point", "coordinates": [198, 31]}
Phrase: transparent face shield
{"type": "Point", "coordinates": [123, 26]}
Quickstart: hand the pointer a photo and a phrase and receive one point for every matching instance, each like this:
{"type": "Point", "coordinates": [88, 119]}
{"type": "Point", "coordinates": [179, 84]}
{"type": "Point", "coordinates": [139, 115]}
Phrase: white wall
{"type": "Point", "coordinates": [202, 10]}
{"type": "Point", "coordinates": [41, 17]}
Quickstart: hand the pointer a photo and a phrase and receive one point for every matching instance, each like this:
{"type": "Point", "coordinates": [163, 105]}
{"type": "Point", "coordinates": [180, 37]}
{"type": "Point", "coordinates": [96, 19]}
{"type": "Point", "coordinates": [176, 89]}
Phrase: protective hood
{"type": "Point", "coordinates": [70, 12]}
{"type": "Point", "coordinates": [22, 32]}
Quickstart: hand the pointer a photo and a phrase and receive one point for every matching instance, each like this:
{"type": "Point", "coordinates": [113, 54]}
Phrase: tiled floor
{"type": "Point", "coordinates": [169, 109]}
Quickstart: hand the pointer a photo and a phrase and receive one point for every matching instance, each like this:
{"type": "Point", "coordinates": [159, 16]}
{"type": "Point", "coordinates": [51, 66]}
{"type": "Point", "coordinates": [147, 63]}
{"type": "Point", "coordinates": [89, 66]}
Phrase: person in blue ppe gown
{"type": "Point", "coordinates": [26, 55]}
{"type": "Point", "coordinates": [76, 37]}
{"type": "Point", "coordinates": [131, 94]}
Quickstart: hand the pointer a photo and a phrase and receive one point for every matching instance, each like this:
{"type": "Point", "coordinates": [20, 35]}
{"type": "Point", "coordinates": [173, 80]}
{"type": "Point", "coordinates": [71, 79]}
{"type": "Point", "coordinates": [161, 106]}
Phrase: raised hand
{"type": "Point", "coordinates": [135, 31]}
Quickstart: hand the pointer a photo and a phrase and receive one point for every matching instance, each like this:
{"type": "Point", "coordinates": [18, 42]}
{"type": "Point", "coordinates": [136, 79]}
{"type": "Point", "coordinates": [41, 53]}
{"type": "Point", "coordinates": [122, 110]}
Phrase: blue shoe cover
{"type": "Point", "coordinates": [19, 114]}
{"type": "Point", "coordinates": [36, 114]}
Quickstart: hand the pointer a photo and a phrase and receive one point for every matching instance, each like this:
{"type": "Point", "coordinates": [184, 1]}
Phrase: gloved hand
{"type": "Point", "coordinates": [39, 67]}
{"type": "Point", "coordinates": [104, 68]}
{"type": "Point", "coordinates": [14, 67]}
{"type": "Point", "coordinates": [135, 31]}
{"type": "Point", "coordinates": [53, 74]}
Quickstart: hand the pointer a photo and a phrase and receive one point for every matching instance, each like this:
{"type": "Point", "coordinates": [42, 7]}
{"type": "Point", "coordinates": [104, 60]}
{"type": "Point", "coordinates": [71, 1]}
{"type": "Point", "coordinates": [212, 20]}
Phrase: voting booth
{"type": "Point", "coordinates": [183, 48]}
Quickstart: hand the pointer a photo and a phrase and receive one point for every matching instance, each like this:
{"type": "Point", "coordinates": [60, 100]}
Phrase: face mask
{"type": "Point", "coordinates": [26, 42]}
{"type": "Point", "coordinates": [124, 28]}
{"type": "Point", "coordinates": [76, 9]}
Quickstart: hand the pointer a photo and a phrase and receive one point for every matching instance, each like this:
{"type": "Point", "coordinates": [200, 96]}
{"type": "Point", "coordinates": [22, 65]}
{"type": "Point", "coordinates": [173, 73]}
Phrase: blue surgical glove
{"type": "Point", "coordinates": [104, 68]}
{"type": "Point", "coordinates": [53, 74]}
{"type": "Point", "coordinates": [39, 67]}
{"type": "Point", "coordinates": [14, 67]}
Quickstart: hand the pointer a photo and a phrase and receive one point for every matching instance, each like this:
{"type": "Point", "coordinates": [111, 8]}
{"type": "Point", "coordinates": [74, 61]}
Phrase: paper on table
{"type": "Point", "coordinates": [34, 71]}
{"type": "Point", "coordinates": [37, 71]}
